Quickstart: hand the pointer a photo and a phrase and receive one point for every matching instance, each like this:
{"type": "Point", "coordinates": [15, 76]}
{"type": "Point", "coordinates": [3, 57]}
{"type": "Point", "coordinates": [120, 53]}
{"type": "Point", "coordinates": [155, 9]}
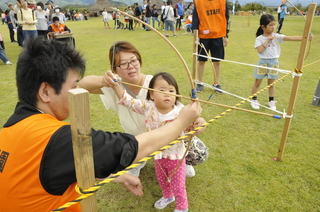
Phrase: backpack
{"type": "Point", "coordinates": [137, 11]}
{"type": "Point", "coordinates": [163, 15]}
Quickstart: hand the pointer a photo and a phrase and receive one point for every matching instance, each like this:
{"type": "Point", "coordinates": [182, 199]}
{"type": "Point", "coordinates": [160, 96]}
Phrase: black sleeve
{"type": "Point", "coordinates": [66, 28]}
{"type": "Point", "coordinates": [113, 152]}
{"type": "Point", "coordinates": [49, 29]}
{"type": "Point", "coordinates": [195, 18]}
{"type": "Point", "coordinates": [227, 17]}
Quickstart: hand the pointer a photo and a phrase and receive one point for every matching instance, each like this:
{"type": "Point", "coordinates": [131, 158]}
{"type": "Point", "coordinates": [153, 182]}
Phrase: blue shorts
{"type": "Point", "coordinates": [260, 73]}
{"type": "Point", "coordinates": [214, 47]}
{"type": "Point", "coordinates": [168, 25]}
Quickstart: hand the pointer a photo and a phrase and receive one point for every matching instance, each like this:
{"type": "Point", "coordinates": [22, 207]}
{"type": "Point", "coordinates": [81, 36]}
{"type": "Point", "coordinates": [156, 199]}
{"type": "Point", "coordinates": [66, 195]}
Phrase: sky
{"type": "Point", "coordinates": [277, 2]}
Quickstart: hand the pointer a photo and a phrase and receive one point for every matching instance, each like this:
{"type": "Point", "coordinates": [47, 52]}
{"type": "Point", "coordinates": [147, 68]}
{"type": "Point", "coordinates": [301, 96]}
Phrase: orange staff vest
{"type": "Point", "coordinates": [21, 149]}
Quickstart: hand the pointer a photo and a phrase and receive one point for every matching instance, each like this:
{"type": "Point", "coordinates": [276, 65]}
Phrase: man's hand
{"type": "Point", "coordinates": [131, 183]}
{"type": "Point", "coordinates": [190, 113]}
{"type": "Point", "coordinates": [225, 41]}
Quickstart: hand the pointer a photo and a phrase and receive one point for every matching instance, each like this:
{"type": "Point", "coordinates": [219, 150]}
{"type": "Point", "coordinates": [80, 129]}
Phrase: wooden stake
{"type": "Point", "coordinates": [82, 144]}
{"type": "Point", "coordinates": [296, 80]}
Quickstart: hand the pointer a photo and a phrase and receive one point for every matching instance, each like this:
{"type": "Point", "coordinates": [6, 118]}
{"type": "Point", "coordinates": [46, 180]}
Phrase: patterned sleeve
{"type": "Point", "coordinates": [136, 105]}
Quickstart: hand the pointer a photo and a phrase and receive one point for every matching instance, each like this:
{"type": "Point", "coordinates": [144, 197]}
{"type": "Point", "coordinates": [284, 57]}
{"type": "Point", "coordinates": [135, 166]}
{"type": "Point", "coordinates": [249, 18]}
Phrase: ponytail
{"type": "Point", "coordinates": [259, 31]}
{"type": "Point", "coordinates": [264, 21]}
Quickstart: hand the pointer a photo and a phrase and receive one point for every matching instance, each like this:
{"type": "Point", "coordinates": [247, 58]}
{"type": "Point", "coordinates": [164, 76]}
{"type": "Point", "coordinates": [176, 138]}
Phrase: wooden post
{"type": "Point", "coordinates": [82, 144]}
{"type": "Point", "coordinates": [195, 57]}
{"type": "Point", "coordinates": [249, 17]}
{"type": "Point", "coordinates": [296, 80]}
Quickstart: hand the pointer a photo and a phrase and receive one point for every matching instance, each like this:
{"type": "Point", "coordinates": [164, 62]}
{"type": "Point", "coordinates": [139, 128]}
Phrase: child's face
{"type": "Point", "coordinates": [163, 102]}
{"type": "Point", "coordinates": [270, 27]}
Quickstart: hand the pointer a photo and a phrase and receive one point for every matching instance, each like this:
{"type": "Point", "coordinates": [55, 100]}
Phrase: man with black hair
{"type": "Point", "coordinates": [57, 28]}
{"type": "Point", "coordinates": [37, 171]}
{"type": "Point", "coordinates": [137, 14]}
{"type": "Point", "coordinates": [148, 14]}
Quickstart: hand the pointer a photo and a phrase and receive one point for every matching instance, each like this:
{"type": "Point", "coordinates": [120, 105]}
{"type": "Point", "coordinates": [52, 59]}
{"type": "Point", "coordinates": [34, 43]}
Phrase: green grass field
{"type": "Point", "coordinates": [240, 174]}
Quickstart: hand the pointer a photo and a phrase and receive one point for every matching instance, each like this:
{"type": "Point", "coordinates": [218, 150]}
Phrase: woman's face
{"type": "Point", "coordinates": [24, 4]}
{"type": "Point", "coordinates": [130, 74]}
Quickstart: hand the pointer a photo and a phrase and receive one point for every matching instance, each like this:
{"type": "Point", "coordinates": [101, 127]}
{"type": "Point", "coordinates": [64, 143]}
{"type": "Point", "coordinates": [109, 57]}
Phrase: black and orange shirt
{"type": "Point", "coordinates": [210, 18]}
{"type": "Point", "coordinates": [61, 28]}
{"type": "Point", "coordinates": [37, 171]}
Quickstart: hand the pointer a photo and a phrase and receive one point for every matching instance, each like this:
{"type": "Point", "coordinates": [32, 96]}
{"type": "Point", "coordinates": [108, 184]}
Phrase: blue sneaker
{"type": "Point", "coordinates": [218, 90]}
{"type": "Point", "coordinates": [199, 88]}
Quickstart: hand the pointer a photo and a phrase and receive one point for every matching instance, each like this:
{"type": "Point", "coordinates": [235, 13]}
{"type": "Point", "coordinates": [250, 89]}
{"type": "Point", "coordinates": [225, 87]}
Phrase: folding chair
{"type": "Point", "coordinates": [187, 30]}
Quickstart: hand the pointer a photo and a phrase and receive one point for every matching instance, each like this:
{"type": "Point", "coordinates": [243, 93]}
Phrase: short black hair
{"type": "Point", "coordinates": [55, 18]}
{"type": "Point", "coordinates": [45, 61]}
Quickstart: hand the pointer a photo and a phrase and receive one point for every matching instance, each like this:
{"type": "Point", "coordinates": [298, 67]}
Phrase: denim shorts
{"type": "Point", "coordinates": [168, 25]}
{"type": "Point", "coordinates": [260, 73]}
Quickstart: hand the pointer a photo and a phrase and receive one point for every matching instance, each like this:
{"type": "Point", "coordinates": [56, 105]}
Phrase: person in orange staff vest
{"type": "Point", "coordinates": [57, 28]}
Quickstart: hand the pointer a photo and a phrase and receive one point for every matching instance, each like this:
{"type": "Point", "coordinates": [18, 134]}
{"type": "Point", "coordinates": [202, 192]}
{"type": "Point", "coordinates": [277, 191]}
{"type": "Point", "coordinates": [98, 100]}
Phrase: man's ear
{"type": "Point", "coordinates": [44, 92]}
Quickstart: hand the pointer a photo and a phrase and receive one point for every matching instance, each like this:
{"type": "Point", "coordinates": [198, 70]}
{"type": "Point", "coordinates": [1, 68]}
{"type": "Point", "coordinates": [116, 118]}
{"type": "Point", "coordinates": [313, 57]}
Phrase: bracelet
{"type": "Point", "coordinates": [264, 46]}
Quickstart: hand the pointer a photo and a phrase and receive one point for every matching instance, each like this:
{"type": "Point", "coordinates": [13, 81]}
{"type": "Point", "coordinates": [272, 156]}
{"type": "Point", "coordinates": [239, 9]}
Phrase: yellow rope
{"type": "Point", "coordinates": [311, 64]}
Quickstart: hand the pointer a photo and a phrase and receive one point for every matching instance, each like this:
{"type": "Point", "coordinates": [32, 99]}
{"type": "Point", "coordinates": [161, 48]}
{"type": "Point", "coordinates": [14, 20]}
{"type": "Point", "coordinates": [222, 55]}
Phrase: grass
{"type": "Point", "coordinates": [240, 174]}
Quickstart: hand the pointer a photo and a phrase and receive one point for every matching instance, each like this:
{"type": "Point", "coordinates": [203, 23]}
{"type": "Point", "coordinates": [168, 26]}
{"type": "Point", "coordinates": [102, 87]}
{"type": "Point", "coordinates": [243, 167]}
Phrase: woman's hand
{"type": "Point", "coordinates": [108, 79]}
{"type": "Point", "coordinates": [311, 37]}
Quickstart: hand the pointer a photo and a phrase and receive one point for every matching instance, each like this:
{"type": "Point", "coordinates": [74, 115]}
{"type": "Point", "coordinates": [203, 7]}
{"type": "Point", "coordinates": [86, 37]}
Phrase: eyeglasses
{"type": "Point", "coordinates": [125, 66]}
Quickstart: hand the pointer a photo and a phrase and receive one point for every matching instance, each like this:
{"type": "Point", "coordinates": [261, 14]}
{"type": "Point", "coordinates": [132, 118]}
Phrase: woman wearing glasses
{"type": "Point", "coordinates": [126, 62]}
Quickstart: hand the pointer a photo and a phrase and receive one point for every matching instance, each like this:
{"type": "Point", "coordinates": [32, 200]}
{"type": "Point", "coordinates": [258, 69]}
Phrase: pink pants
{"type": "Point", "coordinates": [177, 185]}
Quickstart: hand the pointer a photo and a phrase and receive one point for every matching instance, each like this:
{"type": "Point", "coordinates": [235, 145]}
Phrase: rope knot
{"type": "Point", "coordinates": [85, 192]}
{"type": "Point", "coordinates": [297, 71]}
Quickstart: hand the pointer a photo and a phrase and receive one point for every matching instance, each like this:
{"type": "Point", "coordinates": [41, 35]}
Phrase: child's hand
{"type": "Point", "coordinates": [108, 79]}
{"type": "Point", "coordinates": [311, 37]}
{"type": "Point", "coordinates": [197, 123]}
{"type": "Point", "coordinates": [271, 38]}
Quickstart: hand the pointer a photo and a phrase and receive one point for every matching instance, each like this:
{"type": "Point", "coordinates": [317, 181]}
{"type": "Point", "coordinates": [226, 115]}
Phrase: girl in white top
{"type": "Point", "coordinates": [268, 46]}
{"type": "Point", "coordinates": [105, 18]}
{"type": "Point", "coordinates": [159, 109]}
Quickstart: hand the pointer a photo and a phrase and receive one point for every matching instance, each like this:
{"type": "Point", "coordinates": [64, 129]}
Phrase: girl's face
{"type": "Point", "coordinates": [270, 27]}
{"type": "Point", "coordinates": [163, 102]}
{"type": "Point", "coordinates": [24, 4]}
{"type": "Point", "coordinates": [128, 72]}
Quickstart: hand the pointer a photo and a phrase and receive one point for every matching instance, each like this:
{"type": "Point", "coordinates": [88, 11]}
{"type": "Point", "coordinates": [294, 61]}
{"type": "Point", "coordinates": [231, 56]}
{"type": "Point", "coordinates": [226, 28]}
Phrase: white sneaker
{"type": "Point", "coordinates": [190, 172]}
{"type": "Point", "coordinates": [272, 105]}
{"type": "Point", "coordinates": [8, 63]}
{"type": "Point", "coordinates": [136, 171]}
{"type": "Point", "coordinates": [185, 210]}
{"type": "Point", "coordinates": [255, 104]}
{"type": "Point", "coordinates": [163, 202]}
